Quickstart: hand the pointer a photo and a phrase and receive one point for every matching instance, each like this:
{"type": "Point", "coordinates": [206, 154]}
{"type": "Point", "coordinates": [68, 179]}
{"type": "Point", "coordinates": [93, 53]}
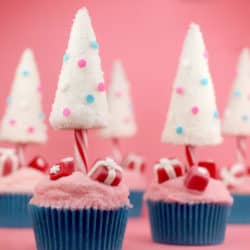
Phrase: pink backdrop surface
{"type": "Point", "coordinates": [147, 35]}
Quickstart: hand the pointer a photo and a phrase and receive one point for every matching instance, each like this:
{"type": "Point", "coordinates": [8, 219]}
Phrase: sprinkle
{"type": "Point", "coordinates": [66, 57]}
{"type": "Point", "coordinates": [205, 55]}
{"type": "Point", "coordinates": [244, 118]}
{"type": "Point", "coordinates": [94, 44]}
{"type": "Point", "coordinates": [195, 110]}
{"type": "Point", "coordinates": [216, 114]}
{"type": "Point", "coordinates": [179, 130]}
{"type": "Point", "coordinates": [12, 122]}
{"type": "Point", "coordinates": [39, 88]}
{"type": "Point", "coordinates": [101, 86]}
{"type": "Point", "coordinates": [82, 63]}
{"type": "Point", "coordinates": [90, 99]}
{"type": "Point", "coordinates": [30, 129]}
{"type": "Point", "coordinates": [179, 90]}
{"type": "Point", "coordinates": [66, 112]}
{"type": "Point", "coordinates": [204, 81]}
{"type": "Point", "coordinates": [237, 93]}
{"type": "Point", "coordinates": [41, 116]}
{"type": "Point", "coordinates": [9, 100]}
{"type": "Point", "coordinates": [25, 73]}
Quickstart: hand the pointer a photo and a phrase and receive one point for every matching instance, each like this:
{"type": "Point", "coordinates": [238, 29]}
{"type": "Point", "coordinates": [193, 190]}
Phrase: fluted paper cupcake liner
{"type": "Point", "coordinates": [86, 229]}
{"type": "Point", "coordinates": [186, 224]}
{"type": "Point", "coordinates": [240, 211]}
{"type": "Point", "coordinates": [14, 210]}
{"type": "Point", "coordinates": [136, 199]}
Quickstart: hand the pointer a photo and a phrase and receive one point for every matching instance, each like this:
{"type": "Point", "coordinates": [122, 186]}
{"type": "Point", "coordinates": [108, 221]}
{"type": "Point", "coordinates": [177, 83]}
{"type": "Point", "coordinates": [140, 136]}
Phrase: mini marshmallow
{"type": "Point", "coordinates": [236, 119]}
{"type": "Point", "coordinates": [23, 121]}
{"type": "Point", "coordinates": [80, 101]}
{"type": "Point", "coordinates": [193, 117]}
{"type": "Point", "coordinates": [121, 115]}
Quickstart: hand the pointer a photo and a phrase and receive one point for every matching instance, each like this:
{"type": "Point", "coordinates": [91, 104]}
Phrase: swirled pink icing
{"type": "Point", "coordinates": [134, 180]}
{"type": "Point", "coordinates": [175, 191]}
{"type": "Point", "coordinates": [78, 191]}
{"type": "Point", "coordinates": [23, 180]}
{"type": "Point", "coordinates": [242, 187]}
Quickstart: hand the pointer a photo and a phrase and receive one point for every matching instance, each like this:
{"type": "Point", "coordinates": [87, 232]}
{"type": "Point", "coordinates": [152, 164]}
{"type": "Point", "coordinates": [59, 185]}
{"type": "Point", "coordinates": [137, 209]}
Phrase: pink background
{"type": "Point", "coordinates": [147, 35]}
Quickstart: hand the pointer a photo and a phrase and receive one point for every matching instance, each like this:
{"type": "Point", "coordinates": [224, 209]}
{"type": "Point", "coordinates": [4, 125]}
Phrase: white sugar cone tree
{"type": "Point", "coordinates": [122, 122]}
{"type": "Point", "coordinates": [192, 119]}
{"type": "Point", "coordinates": [23, 122]}
{"type": "Point", "coordinates": [80, 101]}
{"type": "Point", "coordinates": [236, 119]}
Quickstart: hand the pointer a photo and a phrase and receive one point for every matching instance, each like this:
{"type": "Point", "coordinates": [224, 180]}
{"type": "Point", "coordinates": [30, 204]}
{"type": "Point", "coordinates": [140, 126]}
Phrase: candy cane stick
{"type": "Point", "coordinates": [116, 150]}
{"type": "Point", "coordinates": [81, 144]}
{"type": "Point", "coordinates": [241, 149]}
{"type": "Point", "coordinates": [189, 150]}
{"type": "Point", "coordinates": [20, 154]}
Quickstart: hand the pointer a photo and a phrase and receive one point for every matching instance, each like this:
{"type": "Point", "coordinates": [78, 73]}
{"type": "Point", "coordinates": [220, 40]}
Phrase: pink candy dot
{"type": "Point", "coordinates": [205, 54]}
{"type": "Point", "coordinates": [195, 110]}
{"type": "Point", "coordinates": [101, 86]}
{"type": "Point", "coordinates": [39, 88]}
{"type": "Point", "coordinates": [179, 90]}
{"type": "Point", "coordinates": [12, 122]}
{"type": "Point", "coordinates": [127, 119]}
{"type": "Point", "coordinates": [30, 129]}
{"type": "Point", "coordinates": [66, 112]}
{"type": "Point", "coordinates": [82, 63]}
{"type": "Point", "coordinates": [118, 93]}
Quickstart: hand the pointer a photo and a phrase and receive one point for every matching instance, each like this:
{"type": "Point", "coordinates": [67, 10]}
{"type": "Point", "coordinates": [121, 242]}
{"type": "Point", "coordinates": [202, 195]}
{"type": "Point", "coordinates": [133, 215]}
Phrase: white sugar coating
{"type": "Point", "coordinates": [193, 117]}
{"type": "Point", "coordinates": [80, 101]}
{"type": "Point", "coordinates": [121, 117]}
{"type": "Point", "coordinates": [23, 121]}
{"type": "Point", "coordinates": [236, 119]}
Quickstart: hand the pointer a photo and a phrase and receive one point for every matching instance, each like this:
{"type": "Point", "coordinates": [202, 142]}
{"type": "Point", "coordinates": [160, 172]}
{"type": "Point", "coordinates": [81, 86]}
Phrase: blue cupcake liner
{"type": "Point", "coordinates": [85, 229]}
{"type": "Point", "coordinates": [240, 211]}
{"type": "Point", "coordinates": [14, 211]}
{"type": "Point", "coordinates": [136, 199]}
{"type": "Point", "coordinates": [188, 224]}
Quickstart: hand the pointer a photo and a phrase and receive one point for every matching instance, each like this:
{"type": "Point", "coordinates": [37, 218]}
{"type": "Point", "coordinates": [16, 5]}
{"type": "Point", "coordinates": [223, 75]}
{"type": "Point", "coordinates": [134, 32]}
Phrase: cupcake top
{"type": "Point", "coordinates": [78, 191]}
{"type": "Point", "coordinates": [23, 180]}
{"type": "Point", "coordinates": [241, 187]}
{"type": "Point", "coordinates": [134, 180]}
{"type": "Point", "coordinates": [174, 190]}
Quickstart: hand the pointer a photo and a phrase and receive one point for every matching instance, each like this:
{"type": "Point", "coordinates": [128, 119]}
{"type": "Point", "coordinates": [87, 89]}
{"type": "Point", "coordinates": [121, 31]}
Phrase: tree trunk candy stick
{"type": "Point", "coordinates": [241, 149]}
{"type": "Point", "coordinates": [190, 151]}
{"type": "Point", "coordinates": [116, 150]}
{"type": "Point", "coordinates": [20, 154]}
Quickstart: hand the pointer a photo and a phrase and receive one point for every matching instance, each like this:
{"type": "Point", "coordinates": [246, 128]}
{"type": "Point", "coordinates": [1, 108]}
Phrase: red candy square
{"type": "Point", "coordinates": [39, 163]}
{"type": "Point", "coordinates": [197, 179]}
{"type": "Point", "coordinates": [211, 167]}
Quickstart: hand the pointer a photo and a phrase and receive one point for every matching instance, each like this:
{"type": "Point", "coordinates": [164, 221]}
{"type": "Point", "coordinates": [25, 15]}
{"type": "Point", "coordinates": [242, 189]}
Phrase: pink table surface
{"type": "Point", "coordinates": [137, 237]}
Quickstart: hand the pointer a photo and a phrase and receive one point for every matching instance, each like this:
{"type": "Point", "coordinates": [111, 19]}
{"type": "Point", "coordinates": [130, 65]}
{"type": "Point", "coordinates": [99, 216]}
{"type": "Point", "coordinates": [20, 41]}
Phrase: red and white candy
{"type": "Point", "coordinates": [167, 169]}
{"type": "Point", "coordinates": [39, 163]}
{"type": "Point", "coordinates": [8, 161]}
{"type": "Point", "coordinates": [134, 162]}
{"type": "Point", "coordinates": [106, 171]}
{"type": "Point", "coordinates": [197, 179]}
{"type": "Point", "coordinates": [62, 169]}
{"type": "Point", "coordinates": [211, 168]}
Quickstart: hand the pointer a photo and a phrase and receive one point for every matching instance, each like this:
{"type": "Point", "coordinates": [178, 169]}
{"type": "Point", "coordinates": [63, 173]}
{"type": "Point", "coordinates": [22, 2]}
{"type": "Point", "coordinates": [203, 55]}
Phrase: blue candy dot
{"type": "Point", "coordinates": [94, 44]}
{"type": "Point", "coordinates": [204, 81]}
{"type": "Point", "coordinates": [216, 114]}
{"type": "Point", "coordinates": [41, 116]}
{"type": "Point", "coordinates": [65, 57]}
{"type": "Point", "coordinates": [245, 118]}
{"type": "Point", "coordinates": [8, 100]}
{"type": "Point", "coordinates": [90, 99]}
{"type": "Point", "coordinates": [179, 130]}
{"type": "Point", "coordinates": [237, 93]}
{"type": "Point", "coordinates": [25, 73]}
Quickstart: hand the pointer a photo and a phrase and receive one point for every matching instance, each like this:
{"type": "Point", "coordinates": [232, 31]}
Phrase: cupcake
{"type": "Point", "coordinates": [79, 211]}
{"type": "Point", "coordinates": [16, 190]}
{"type": "Point", "coordinates": [134, 166]}
{"type": "Point", "coordinates": [187, 208]}
{"type": "Point", "coordinates": [238, 183]}
{"type": "Point", "coordinates": [236, 124]}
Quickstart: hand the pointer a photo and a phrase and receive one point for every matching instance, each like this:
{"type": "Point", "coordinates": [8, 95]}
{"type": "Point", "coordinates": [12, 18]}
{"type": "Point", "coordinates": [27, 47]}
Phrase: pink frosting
{"type": "Point", "coordinates": [175, 191]}
{"type": "Point", "coordinates": [23, 180]}
{"type": "Point", "coordinates": [78, 191]}
{"type": "Point", "coordinates": [134, 180]}
{"type": "Point", "coordinates": [243, 187]}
